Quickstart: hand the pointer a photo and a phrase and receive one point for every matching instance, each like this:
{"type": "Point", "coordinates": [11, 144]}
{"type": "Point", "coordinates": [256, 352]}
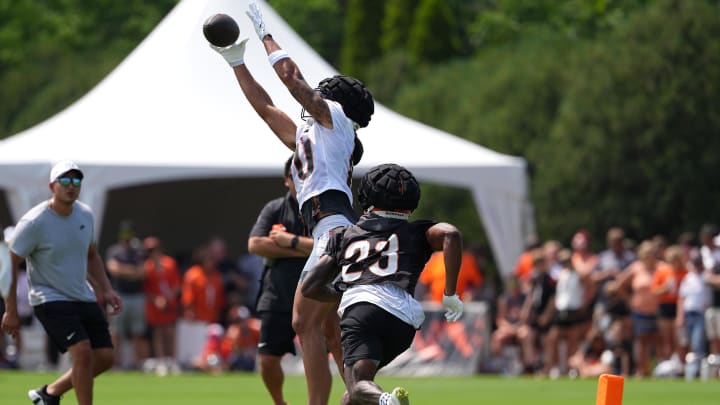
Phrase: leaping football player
{"type": "Point", "coordinates": [379, 260]}
{"type": "Point", "coordinates": [325, 149]}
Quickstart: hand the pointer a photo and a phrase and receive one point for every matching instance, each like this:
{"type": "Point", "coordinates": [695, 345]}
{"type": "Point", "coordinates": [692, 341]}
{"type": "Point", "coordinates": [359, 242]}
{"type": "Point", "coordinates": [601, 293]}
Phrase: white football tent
{"type": "Point", "coordinates": [172, 111]}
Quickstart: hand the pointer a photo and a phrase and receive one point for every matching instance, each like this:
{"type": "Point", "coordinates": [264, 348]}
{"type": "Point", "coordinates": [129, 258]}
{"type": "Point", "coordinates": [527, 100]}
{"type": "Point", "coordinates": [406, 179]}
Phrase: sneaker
{"type": "Point", "coordinates": [400, 396]}
{"type": "Point", "coordinates": [41, 397]}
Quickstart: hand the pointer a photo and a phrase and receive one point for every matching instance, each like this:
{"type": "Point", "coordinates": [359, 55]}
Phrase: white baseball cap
{"type": "Point", "coordinates": [63, 167]}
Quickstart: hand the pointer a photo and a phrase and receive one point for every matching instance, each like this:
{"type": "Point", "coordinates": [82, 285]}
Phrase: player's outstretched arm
{"type": "Point", "coordinates": [288, 71]}
{"type": "Point", "coordinates": [259, 99]}
{"type": "Point", "coordinates": [279, 122]}
{"type": "Point", "coordinates": [448, 239]}
{"type": "Point", "coordinates": [317, 283]}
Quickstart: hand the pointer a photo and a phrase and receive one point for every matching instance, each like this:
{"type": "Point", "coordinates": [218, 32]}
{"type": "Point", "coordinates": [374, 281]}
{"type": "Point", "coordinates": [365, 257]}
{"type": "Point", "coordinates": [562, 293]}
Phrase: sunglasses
{"type": "Point", "coordinates": [66, 181]}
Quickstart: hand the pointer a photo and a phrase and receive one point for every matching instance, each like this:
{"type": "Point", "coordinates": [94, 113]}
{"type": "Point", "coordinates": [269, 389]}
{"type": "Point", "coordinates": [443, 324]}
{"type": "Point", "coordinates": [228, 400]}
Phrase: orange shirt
{"type": "Point", "coordinates": [161, 282]}
{"type": "Point", "coordinates": [524, 266]}
{"type": "Point", "coordinates": [202, 293]}
{"type": "Point", "coordinates": [664, 275]}
{"type": "Point", "coordinates": [434, 275]}
{"type": "Point", "coordinates": [236, 339]}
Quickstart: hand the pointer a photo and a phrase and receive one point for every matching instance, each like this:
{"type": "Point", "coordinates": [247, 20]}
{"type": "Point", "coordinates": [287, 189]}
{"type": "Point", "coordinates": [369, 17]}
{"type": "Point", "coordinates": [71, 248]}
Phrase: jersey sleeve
{"type": "Point", "coordinates": [421, 227]}
{"type": "Point", "coordinates": [336, 112]}
{"type": "Point", "coordinates": [267, 218]}
{"type": "Point", "coordinates": [23, 240]}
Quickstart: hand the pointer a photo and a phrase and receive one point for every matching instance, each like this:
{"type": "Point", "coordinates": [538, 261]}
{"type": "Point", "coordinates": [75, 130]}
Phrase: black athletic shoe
{"type": "Point", "coordinates": [40, 396]}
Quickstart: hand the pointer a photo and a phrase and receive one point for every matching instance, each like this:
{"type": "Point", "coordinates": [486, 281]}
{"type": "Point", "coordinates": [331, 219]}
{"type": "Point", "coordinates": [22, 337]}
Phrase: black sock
{"type": "Point", "coordinates": [45, 391]}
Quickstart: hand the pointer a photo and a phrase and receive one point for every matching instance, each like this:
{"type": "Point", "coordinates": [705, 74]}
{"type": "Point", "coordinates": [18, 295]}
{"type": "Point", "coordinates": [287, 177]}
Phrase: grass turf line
{"type": "Point", "coordinates": [116, 388]}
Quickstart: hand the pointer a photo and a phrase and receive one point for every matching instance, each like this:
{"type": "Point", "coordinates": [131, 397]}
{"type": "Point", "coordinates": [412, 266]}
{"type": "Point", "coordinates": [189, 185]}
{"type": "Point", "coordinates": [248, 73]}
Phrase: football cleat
{"type": "Point", "coordinates": [40, 396]}
{"type": "Point", "coordinates": [400, 396]}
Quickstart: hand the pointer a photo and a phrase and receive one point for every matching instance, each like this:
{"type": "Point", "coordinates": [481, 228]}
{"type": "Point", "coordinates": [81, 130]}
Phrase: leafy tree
{"type": "Point", "coordinates": [631, 145]}
{"type": "Point", "coordinates": [616, 129]}
{"type": "Point", "coordinates": [51, 53]}
{"type": "Point", "coordinates": [505, 99]}
{"type": "Point", "coordinates": [362, 35]}
{"type": "Point", "coordinates": [506, 21]}
{"type": "Point", "coordinates": [434, 37]}
{"type": "Point", "coordinates": [397, 23]}
{"type": "Point", "coordinates": [326, 37]}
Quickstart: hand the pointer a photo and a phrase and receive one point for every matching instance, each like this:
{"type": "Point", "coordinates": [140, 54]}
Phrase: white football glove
{"type": "Point", "coordinates": [257, 20]}
{"type": "Point", "coordinates": [234, 54]}
{"type": "Point", "coordinates": [453, 307]}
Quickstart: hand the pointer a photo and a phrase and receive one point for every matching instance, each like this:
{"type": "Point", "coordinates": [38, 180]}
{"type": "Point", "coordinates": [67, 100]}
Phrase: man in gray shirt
{"type": "Point", "coordinates": [69, 290]}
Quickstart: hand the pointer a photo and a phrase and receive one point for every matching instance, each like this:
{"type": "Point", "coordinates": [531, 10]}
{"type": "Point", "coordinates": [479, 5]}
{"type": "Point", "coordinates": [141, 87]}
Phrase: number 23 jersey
{"type": "Point", "coordinates": [380, 250]}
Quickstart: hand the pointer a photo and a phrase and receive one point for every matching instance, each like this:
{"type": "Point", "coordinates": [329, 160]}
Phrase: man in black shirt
{"type": "Point", "coordinates": [126, 269]}
{"type": "Point", "coordinates": [277, 236]}
{"type": "Point", "coordinates": [379, 261]}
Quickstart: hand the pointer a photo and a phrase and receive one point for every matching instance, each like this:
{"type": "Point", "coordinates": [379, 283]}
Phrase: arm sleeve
{"type": "Point", "coordinates": [267, 218]}
{"type": "Point", "coordinates": [22, 243]}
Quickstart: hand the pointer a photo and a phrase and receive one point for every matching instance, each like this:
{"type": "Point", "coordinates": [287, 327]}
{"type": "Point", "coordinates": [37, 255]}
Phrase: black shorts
{"type": "Point", "coordinates": [276, 333]}
{"type": "Point", "coordinates": [569, 318]}
{"type": "Point", "coordinates": [69, 322]}
{"type": "Point", "coordinates": [667, 310]}
{"type": "Point", "coordinates": [617, 309]}
{"type": "Point", "coordinates": [369, 332]}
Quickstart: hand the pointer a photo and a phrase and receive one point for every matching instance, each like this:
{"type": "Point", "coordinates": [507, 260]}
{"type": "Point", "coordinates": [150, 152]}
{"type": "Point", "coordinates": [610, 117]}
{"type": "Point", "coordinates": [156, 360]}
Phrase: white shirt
{"type": "Point", "coordinates": [710, 256]}
{"type": "Point", "coordinates": [693, 292]}
{"type": "Point", "coordinates": [387, 296]}
{"type": "Point", "coordinates": [325, 155]}
{"type": "Point", "coordinates": [569, 291]}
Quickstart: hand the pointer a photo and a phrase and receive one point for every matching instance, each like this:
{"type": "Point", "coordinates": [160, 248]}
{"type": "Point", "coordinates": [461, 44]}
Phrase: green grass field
{"type": "Point", "coordinates": [117, 388]}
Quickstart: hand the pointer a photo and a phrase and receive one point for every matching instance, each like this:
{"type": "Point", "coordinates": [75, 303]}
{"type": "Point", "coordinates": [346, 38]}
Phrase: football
{"type": "Point", "coordinates": [221, 30]}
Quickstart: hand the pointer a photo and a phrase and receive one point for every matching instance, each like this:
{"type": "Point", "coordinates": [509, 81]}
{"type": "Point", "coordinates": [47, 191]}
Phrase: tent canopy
{"type": "Point", "coordinates": [172, 110]}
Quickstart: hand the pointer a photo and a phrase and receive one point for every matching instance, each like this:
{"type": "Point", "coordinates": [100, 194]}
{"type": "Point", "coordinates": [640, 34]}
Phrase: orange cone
{"type": "Point", "coordinates": [610, 390]}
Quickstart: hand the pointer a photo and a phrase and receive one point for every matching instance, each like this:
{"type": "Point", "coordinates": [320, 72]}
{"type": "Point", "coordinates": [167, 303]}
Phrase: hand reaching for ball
{"type": "Point", "coordinates": [234, 54]}
{"type": "Point", "coordinates": [222, 33]}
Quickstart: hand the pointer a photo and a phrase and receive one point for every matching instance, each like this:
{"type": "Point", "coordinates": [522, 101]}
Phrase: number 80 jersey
{"type": "Point", "coordinates": [379, 250]}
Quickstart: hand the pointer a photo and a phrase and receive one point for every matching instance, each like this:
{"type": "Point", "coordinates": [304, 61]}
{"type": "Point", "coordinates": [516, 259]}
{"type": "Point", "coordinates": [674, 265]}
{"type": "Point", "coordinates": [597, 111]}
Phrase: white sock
{"type": "Point", "coordinates": [385, 399]}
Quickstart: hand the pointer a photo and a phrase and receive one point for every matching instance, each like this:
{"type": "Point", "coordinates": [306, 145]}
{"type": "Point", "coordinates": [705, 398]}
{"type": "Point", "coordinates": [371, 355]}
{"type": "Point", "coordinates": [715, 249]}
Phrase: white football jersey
{"type": "Point", "coordinates": [322, 156]}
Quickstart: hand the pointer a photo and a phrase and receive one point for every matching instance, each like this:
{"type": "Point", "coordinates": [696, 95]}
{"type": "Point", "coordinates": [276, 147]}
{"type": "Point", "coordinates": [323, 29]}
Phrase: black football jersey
{"type": "Point", "coordinates": [381, 250]}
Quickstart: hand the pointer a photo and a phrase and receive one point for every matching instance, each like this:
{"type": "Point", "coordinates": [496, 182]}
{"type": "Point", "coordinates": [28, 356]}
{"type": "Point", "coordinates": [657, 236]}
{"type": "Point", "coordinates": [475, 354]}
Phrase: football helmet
{"type": "Point", "coordinates": [356, 100]}
{"type": "Point", "coordinates": [390, 187]}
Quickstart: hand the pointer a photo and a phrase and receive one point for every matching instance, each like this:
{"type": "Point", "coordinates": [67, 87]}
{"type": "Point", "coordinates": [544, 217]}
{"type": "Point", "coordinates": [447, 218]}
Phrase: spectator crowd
{"type": "Point", "coordinates": [645, 309]}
